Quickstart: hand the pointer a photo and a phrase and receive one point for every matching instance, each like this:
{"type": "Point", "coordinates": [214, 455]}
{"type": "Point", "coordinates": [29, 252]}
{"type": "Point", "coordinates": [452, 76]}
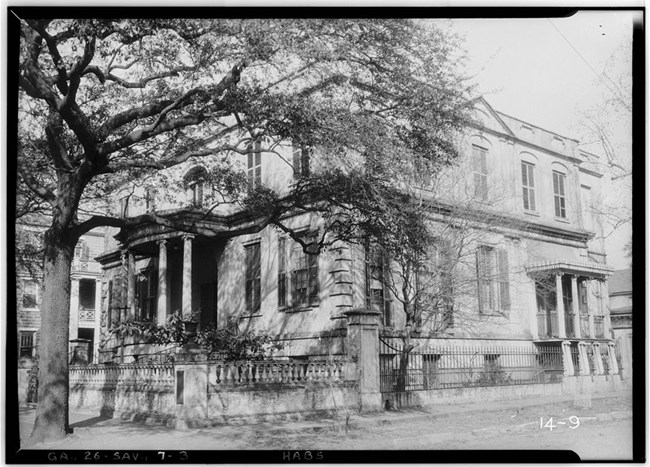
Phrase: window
{"type": "Point", "coordinates": [479, 166]}
{"type": "Point", "coordinates": [559, 195]}
{"type": "Point", "coordinates": [124, 206]}
{"type": "Point", "coordinates": [255, 165]}
{"type": "Point", "coordinates": [146, 295]}
{"type": "Point", "coordinates": [528, 185]}
{"type": "Point", "coordinates": [253, 273]}
{"type": "Point", "coordinates": [82, 251]}
{"type": "Point", "coordinates": [377, 294]}
{"type": "Point", "coordinates": [493, 284]}
{"type": "Point", "coordinates": [304, 274]}
{"type": "Point", "coordinates": [301, 159]}
{"type": "Point", "coordinates": [282, 272]}
{"type": "Point", "coordinates": [435, 289]}
{"type": "Point", "coordinates": [30, 295]}
{"type": "Point", "coordinates": [26, 343]}
{"type": "Point", "coordinates": [195, 185]}
{"type": "Point", "coordinates": [149, 200]}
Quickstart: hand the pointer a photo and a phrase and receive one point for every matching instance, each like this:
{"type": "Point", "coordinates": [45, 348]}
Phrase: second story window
{"type": "Point", "coordinates": [30, 295]}
{"type": "Point", "coordinates": [124, 206]}
{"type": "Point", "coordinates": [528, 185]}
{"type": "Point", "coordinates": [195, 186]}
{"type": "Point", "coordinates": [479, 167]}
{"type": "Point", "coordinates": [301, 162]}
{"type": "Point", "coordinates": [149, 200]}
{"type": "Point", "coordinates": [255, 165]}
{"type": "Point", "coordinates": [253, 278]}
{"type": "Point", "coordinates": [559, 196]}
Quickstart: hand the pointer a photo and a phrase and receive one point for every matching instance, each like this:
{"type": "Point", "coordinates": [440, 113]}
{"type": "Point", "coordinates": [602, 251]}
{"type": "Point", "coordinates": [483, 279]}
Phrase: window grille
{"type": "Point", "coordinates": [26, 344]}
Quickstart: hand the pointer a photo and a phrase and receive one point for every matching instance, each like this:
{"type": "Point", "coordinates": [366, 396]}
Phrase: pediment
{"type": "Point", "coordinates": [488, 118]}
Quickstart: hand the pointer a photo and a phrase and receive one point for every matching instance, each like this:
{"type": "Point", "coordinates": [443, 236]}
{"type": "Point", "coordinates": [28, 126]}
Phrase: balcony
{"type": "Point", "coordinates": [86, 314]}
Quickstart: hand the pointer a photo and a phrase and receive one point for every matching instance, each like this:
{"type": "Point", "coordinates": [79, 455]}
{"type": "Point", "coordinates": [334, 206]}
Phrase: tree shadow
{"type": "Point", "coordinates": [90, 421]}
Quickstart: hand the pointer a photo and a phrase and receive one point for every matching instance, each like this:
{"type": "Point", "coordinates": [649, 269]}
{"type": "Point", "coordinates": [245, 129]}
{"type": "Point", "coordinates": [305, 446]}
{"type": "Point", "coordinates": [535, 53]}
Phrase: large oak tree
{"type": "Point", "coordinates": [105, 101]}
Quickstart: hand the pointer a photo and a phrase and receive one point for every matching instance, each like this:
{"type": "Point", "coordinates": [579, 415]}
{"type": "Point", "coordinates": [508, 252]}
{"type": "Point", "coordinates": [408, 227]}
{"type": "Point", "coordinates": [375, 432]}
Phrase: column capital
{"type": "Point", "coordinates": [162, 241]}
{"type": "Point", "coordinates": [188, 236]}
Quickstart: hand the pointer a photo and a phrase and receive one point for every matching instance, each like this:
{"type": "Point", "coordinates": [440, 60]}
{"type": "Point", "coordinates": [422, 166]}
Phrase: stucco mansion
{"type": "Point", "coordinates": [535, 272]}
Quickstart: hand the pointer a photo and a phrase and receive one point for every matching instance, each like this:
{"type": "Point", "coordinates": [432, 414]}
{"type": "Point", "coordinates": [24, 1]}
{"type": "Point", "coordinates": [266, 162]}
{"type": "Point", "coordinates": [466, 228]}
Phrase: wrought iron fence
{"type": "Point", "coordinates": [440, 367]}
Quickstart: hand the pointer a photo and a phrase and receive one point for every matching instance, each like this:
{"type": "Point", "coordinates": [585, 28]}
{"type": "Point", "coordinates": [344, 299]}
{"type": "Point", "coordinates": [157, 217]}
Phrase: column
{"type": "Point", "coordinates": [363, 349]}
{"type": "Point", "coordinates": [599, 369]}
{"type": "Point", "coordinates": [575, 306]}
{"type": "Point", "coordinates": [613, 364]}
{"type": "Point", "coordinates": [604, 303]}
{"type": "Point", "coordinates": [74, 308]}
{"type": "Point", "coordinates": [590, 307]}
{"type": "Point", "coordinates": [162, 282]}
{"type": "Point", "coordinates": [130, 291]}
{"type": "Point", "coordinates": [187, 277]}
{"type": "Point", "coordinates": [98, 318]}
{"type": "Point", "coordinates": [567, 361]}
{"type": "Point", "coordinates": [559, 302]}
{"type": "Point", "coordinates": [583, 359]}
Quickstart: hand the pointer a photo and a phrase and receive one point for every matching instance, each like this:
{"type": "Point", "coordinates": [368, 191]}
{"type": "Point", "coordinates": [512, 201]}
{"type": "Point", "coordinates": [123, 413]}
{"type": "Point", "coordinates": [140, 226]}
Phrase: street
{"type": "Point", "coordinates": [600, 431]}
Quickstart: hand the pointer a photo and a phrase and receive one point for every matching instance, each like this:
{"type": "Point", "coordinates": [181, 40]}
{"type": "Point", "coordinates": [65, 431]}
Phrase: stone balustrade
{"type": "Point", "coordinates": [285, 372]}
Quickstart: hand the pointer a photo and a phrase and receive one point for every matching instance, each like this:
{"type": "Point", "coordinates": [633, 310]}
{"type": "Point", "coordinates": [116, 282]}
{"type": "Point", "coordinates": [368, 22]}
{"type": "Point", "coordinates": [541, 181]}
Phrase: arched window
{"type": "Point", "coordinates": [194, 181]}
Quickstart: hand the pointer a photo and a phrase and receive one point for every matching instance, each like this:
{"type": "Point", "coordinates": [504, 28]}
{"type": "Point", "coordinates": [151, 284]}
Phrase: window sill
{"type": "Point", "coordinates": [250, 316]}
{"type": "Point", "coordinates": [531, 213]}
{"type": "Point", "coordinates": [563, 220]}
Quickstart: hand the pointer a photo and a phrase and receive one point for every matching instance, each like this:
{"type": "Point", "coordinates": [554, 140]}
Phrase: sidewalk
{"type": "Point", "coordinates": [435, 423]}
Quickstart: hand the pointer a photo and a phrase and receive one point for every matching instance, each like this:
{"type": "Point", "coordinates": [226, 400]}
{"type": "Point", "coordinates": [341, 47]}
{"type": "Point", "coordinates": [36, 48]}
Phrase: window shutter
{"type": "Point", "coordinates": [296, 161]}
{"type": "Point", "coordinates": [312, 262]}
{"type": "Point", "coordinates": [504, 284]}
{"type": "Point", "coordinates": [479, 279]}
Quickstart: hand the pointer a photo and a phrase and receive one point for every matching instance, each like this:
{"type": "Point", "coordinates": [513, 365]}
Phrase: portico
{"type": "Point", "coordinates": [572, 300]}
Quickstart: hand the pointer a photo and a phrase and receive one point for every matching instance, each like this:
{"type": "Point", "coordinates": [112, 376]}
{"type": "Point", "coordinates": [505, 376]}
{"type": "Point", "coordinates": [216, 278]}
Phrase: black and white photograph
{"type": "Point", "coordinates": [324, 234]}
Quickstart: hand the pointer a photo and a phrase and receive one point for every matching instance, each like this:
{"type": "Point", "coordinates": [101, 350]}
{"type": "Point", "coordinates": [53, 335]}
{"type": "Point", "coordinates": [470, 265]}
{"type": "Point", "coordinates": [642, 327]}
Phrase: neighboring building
{"type": "Point", "coordinates": [620, 308]}
{"type": "Point", "coordinates": [84, 295]}
{"type": "Point", "coordinates": [535, 270]}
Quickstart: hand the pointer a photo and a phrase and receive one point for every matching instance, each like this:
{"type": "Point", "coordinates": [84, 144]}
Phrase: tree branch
{"type": "Point", "coordinates": [34, 185]}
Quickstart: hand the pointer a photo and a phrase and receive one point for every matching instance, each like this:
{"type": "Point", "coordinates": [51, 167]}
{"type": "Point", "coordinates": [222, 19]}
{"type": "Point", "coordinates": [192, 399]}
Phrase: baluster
{"type": "Point", "coordinates": [223, 377]}
{"type": "Point", "coordinates": [249, 367]}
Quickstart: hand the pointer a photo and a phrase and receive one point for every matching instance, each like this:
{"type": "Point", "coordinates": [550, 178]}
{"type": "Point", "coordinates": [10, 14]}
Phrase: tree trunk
{"type": "Point", "coordinates": [52, 410]}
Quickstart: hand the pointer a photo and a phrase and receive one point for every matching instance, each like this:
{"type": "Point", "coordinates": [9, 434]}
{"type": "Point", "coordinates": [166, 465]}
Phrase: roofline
{"type": "Point", "coordinates": [537, 126]}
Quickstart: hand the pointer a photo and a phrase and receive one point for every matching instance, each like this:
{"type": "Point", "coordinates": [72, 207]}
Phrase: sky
{"type": "Point", "coordinates": [545, 71]}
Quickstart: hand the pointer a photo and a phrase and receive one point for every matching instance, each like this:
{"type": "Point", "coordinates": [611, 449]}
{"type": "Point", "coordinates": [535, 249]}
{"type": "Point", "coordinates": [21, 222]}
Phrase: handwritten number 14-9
{"type": "Point", "coordinates": [574, 422]}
